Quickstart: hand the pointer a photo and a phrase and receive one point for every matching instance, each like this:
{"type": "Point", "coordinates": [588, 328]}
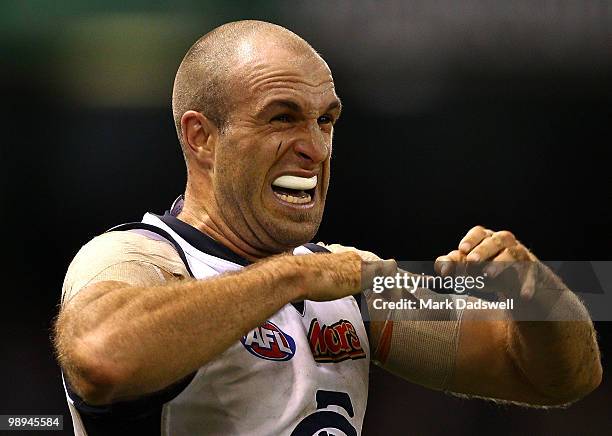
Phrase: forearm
{"type": "Point", "coordinates": [546, 338]}
{"type": "Point", "coordinates": [559, 358]}
{"type": "Point", "coordinates": [128, 338]}
{"type": "Point", "coordinates": [418, 345]}
{"type": "Point", "coordinates": [489, 354]}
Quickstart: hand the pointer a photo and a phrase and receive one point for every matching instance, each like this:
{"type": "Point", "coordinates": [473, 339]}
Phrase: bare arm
{"type": "Point", "coordinates": [116, 341]}
{"type": "Point", "coordinates": [487, 353]}
{"type": "Point", "coordinates": [552, 361]}
{"type": "Point", "coordinates": [543, 363]}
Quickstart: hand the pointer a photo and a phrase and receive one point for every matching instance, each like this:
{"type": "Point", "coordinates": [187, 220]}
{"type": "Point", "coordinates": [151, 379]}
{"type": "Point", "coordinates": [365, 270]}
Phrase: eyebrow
{"type": "Point", "coordinates": [295, 107]}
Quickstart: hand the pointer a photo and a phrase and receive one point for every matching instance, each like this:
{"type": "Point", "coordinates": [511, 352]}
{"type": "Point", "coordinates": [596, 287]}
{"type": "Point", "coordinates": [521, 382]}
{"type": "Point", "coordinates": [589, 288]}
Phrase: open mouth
{"type": "Point", "coordinates": [295, 190]}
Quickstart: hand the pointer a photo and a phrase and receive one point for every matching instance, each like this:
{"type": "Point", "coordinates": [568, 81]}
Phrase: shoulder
{"type": "Point", "coordinates": [123, 256]}
{"type": "Point", "coordinates": [121, 246]}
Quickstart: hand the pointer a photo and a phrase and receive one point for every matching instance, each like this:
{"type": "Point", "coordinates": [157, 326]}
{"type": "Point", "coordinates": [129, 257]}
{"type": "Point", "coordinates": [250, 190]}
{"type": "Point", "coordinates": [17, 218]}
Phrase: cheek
{"type": "Point", "coordinates": [326, 173]}
{"type": "Point", "coordinates": [241, 171]}
{"type": "Point", "coordinates": [233, 179]}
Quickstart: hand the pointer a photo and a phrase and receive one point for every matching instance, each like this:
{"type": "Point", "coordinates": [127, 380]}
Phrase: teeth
{"type": "Point", "coordinates": [293, 199]}
{"type": "Point", "coordinates": [294, 182]}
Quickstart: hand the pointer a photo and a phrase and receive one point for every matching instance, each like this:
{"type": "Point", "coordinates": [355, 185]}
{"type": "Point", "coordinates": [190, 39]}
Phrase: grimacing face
{"type": "Point", "coordinates": [272, 162]}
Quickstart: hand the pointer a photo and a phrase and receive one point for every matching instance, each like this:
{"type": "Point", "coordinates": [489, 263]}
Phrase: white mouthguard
{"type": "Point", "coordinates": [293, 182]}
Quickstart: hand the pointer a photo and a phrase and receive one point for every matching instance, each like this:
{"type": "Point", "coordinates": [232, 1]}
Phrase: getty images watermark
{"type": "Point", "coordinates": [411, 283]}
{"type": "Point", "coordinates": [527, 290]}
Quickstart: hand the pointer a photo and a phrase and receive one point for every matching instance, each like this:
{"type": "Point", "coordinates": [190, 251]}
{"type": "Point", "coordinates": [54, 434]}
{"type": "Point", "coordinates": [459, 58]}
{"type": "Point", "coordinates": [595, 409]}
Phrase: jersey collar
{"type": "Point", "coordinates": [200, 240]}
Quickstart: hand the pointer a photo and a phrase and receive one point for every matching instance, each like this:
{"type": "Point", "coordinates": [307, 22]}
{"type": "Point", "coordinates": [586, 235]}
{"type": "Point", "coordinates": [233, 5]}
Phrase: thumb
{"type": "Point", "coordinates": [377, 268]}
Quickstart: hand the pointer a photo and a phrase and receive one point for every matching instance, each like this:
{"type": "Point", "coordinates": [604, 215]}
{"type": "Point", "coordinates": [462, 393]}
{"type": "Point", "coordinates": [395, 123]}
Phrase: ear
{"type": "Point", "coordinates": [199, 136]}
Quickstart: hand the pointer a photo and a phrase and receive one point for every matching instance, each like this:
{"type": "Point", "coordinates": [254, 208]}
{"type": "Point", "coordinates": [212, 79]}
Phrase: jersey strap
{"type": "Point", "coordinates": [141, 415]}
{"type": "Point", "coordinates": [161, 232]}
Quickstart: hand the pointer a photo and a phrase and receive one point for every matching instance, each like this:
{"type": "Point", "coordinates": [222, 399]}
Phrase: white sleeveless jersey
{"type": "Point", "coordinates": [302, 372]}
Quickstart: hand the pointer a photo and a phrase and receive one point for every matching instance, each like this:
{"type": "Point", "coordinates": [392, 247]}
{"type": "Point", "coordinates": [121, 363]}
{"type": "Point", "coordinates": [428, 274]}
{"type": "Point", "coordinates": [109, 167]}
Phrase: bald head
{"type": "Point", "coordinates": [209, 69]}
{"type": "Point", "coordinates": [253, 103]}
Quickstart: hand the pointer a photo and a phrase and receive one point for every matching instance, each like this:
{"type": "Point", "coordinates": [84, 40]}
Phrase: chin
{"type": "Point", "coordinates": [293, 234]}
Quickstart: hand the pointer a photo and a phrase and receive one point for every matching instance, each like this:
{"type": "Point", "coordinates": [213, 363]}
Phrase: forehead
{"type": "Point", "coordinates": [273, 70]}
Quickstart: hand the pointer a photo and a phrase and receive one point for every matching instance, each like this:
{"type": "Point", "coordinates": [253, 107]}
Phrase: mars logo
{"type": "Point", "coordinates": [269, 342]}
{"type": "Point", "coordinates": [335, 343]}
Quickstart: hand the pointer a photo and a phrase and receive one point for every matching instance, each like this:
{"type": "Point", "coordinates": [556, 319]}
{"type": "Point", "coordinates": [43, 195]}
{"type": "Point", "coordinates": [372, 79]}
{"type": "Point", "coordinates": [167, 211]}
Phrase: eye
{"type": "Point", "coordinates": [283, 118]}
{"type": "Point", "coordinates": [325, 119]}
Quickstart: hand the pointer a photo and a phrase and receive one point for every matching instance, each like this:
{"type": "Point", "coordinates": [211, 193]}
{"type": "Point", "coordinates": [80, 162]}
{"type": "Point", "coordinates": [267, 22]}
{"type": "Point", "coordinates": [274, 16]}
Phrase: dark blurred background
{"type": "Point", "coordinates": [455, 114]}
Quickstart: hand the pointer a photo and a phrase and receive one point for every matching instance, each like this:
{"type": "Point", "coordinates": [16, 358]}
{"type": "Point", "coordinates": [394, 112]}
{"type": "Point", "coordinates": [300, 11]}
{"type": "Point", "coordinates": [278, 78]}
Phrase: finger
{"type": "Point", "coordinates": [491, 246]}
{"type": "Point", "coordinates": [445, 265]}
{"type": "Point", "coordinates": [365, 255]}
{"type": "Point", "coordinates": [528, 288]}
{"type": "Point", "coordinates": [472, 238]}
{"type": "Point", "coordinates": [499, 264]}
{"type": "Point", "coordinates": [379, 268]}
{"type": "Point", "coordinates": [441, 262]}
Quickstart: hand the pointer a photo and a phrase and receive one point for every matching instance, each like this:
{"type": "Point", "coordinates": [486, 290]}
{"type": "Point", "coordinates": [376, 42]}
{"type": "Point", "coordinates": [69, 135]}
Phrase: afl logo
{"type": "Point", "coordinates": [269, 342]}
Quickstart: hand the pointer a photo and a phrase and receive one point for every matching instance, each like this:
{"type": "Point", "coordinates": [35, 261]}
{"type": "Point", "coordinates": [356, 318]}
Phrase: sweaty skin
{"type": "Point", "coordinates": [285, 107]}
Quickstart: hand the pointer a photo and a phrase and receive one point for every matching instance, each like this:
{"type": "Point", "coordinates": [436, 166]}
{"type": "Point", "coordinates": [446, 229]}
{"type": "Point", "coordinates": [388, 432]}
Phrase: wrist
{"type": "Point", "coordinates": [285, 276]}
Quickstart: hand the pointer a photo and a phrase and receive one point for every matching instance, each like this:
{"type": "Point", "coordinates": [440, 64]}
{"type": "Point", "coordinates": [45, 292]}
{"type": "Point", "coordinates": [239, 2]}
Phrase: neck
{"type": "Point", "coordinates": [203, 219]}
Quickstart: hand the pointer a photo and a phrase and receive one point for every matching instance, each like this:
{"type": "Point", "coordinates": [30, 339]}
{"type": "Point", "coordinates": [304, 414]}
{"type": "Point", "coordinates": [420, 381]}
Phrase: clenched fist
{"type": "Point", "coordinates": [501, 248]}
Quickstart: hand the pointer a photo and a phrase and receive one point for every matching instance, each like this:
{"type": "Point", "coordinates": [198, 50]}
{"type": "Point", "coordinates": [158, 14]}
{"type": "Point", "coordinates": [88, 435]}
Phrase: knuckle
{"type": "Point", "coordinates": [476, 230]}
{"type": "Point", "coordinates": [506, 235]}
{"type": "Point", "coordinates": [497, 240]}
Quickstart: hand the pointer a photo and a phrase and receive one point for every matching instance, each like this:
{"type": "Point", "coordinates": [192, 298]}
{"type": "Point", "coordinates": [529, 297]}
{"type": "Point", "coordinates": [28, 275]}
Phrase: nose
{"type": "Point", "coordinates": [313, 148]}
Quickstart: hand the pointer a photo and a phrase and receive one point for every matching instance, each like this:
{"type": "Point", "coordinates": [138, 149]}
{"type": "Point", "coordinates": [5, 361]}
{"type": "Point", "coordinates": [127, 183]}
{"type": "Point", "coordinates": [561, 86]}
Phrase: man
{"type": "Point", "coordinates": [268, 338]}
